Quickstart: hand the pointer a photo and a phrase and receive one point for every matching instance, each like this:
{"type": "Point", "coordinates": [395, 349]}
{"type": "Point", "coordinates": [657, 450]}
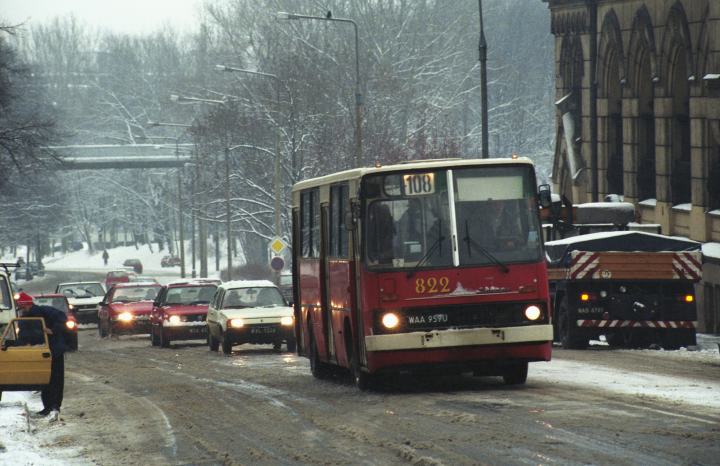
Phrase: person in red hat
{"type": "Point", "coordinates": [52, 394]}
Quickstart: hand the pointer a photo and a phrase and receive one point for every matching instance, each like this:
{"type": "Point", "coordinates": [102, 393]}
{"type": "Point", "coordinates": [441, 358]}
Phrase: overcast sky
{"type": "Point", "coordinates": [133, 16]}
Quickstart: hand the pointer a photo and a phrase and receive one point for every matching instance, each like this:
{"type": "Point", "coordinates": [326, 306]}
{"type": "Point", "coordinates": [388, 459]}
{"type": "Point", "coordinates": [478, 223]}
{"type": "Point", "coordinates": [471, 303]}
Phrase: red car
{"type": "Point", "coordinates": [126, 309]}
{"type": "Point", "coordinates": [118, 276]}
{"type": "Point", "coordinates": [180, 311]}
{"type": "Point", "coordinates": [60, 302]}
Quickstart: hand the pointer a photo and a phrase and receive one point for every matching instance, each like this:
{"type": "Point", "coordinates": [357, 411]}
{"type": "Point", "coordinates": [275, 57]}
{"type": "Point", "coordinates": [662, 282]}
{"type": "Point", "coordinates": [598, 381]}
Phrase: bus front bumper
{"type": "Point", "coordinates": [460, 337]}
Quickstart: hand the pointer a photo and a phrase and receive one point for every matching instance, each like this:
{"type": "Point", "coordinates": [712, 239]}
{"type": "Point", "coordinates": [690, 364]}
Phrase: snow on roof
{"type": "Point", "coordinates": [80, 283]}
{"type": "Point", "coordinates": [192, 281]}
{"type": "Point", "coordinates": [246, 284]}
{"type": "Point", "coordinates": [612, 234]}
{"type": "Point", "coordinates": [711, 250]}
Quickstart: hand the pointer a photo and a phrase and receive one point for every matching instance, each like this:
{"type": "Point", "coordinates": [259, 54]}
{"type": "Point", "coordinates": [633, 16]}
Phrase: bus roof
{"type": "Point", "coordinates": [356, 173]}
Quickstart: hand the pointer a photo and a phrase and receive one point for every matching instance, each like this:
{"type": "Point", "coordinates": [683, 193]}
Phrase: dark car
{"type": "Point", "coordinates": [169, 261]}
{"type": "Point", "coordinates": [126, 308]}
{"type": "Point", "coordinates": [23, 273]}
{"type": "Point", "coordinates": [36, 268]}
{"type": "Point", "coordinates": [135, 264]}
{"type": "Point", "coordinates": [60, 302]}
{"type": "Point", "coordinates": [180, 312]}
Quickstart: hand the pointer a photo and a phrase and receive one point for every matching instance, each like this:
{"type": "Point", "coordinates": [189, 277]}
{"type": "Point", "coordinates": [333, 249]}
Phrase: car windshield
{"type": "Point", "coordinates": [188, 295]}
{"type": "Point", "coordinates": [81, 290]}
{"type": "Point", "coordinates": [411, 218]}
{"type": "Point", "coordinates": [134, 294]}
{"type": "Point", "coordinates": [253, 297]}
{"type": "Point", "coordinates": [5, 302]}
{"type": "Point", "coordinates": [56, 302]}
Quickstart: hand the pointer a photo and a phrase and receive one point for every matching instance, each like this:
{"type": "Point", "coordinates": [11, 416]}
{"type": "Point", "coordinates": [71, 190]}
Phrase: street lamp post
{"type": "Point", "coordinates": [358, 95]}
{"type": "Point", "coordinates": [482, 47]}
{"type": "Point", "coordinates": [278, 184]}
{"type": "Point", "coordinates": [179, 193]}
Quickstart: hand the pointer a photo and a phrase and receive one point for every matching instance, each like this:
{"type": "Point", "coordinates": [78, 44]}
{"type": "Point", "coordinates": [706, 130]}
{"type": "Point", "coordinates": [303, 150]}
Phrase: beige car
{"type": "Point", "coordinates": [24, 356]}
{"type": "Point", "coordinates": [246, 311]}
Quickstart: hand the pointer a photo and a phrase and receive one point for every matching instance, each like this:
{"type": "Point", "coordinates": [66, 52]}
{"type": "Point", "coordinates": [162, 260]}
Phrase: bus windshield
{"type": "Point", "coordinates": [411, 219]}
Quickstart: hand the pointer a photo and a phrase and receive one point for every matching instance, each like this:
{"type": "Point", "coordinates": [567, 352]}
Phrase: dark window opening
{"type": "Point", "coordinates": [310, 224]}
{"type": "Point", "coordinates": [646, 156]}
{"type": "Point", "coordinates": [615, 155]}
{"type": "Point", "coordinates": [338, 213]}
{"type": "Point", "coordinates": [713, 179]}
{"type": "Point", "coordinates": [680, 184]}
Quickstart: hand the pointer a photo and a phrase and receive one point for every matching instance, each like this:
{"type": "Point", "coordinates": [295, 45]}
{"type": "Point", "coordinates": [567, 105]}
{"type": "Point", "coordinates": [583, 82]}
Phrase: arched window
{"type": "Point", "coordinates": [680, 132]}
{"type": "Point", "coordinates": [713, 179]}
{"type": "Point", "coordinates": [614, 129]}
{"type": "Point", "coordinates": [646, 131]}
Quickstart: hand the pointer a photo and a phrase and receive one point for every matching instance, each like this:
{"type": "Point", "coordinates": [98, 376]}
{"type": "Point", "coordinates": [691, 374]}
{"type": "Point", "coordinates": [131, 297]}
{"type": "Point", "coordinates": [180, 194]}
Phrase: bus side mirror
{"type": "Point", "coordinates": [544, 196]}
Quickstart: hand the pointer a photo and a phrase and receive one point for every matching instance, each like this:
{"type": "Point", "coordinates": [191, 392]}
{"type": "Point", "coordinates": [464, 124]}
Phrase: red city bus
{"type": "Point", "coordinates": [431, 265]}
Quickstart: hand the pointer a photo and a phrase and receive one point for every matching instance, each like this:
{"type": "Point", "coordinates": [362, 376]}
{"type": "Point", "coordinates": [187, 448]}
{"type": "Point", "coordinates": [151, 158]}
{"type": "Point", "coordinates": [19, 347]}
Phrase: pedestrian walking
{"type": "Point", "coordinates": [105, 256]}
{"type": "Point", "coordinates": [55, 320]}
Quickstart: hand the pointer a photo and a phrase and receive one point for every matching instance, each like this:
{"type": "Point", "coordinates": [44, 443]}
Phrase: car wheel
{"type": "Point", "coordinates": [226, 344]}
{"type": "Point", "coordinates": [213, 342]}
{"type": "Point", "coordinates": [163, 337]}
{"type": "Point", "coordinates": [516, 375]}
{"type": "Point", "coordinates": [291, 345]}
{"type": "Point", "coordinates": [277, 345]}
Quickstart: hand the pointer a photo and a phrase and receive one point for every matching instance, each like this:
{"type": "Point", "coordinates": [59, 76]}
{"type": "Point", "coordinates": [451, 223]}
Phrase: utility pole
{"type": "Point", "coordinates": [482, 47]}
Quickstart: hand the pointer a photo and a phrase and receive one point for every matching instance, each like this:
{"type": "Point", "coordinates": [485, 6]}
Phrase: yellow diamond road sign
{"type": "Point", "coordinates": [277, 245]}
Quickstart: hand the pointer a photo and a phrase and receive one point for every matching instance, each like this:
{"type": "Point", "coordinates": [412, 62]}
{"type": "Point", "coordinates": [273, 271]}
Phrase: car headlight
{"type": "Point", "coordinates": [125, 317]}
{"type": "Point", "coordinates": [287, 320]}
{"type": "Point", "coordinates": [533, 312]}
{"type": "Point", "coordinates": [390, 320]}
{"type": "Point", "coordinates": [174, 320]}
{"type": "Point", "coordinates": [70, 324]}
{"type": "Point", "coordinates": [71, 307]}
{"type": "Point", "coordinates": [236, 323]}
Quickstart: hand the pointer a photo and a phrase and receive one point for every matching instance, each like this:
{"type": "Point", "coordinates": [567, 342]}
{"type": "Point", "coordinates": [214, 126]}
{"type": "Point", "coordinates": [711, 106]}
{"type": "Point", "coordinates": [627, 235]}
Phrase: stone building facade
{"type": "Point", "coordinates": [638, 89]}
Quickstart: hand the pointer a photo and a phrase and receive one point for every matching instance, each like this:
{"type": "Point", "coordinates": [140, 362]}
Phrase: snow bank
{"type": "Point", "coordinates": [711, 250]}
{"type": "Point", "coordinates": [23, 442]}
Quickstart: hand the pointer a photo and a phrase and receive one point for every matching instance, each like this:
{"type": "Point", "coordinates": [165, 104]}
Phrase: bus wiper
{"type": "Point", "coordinates": [437, 244]}
{"type": "Point", "coordinates": [471, 242]}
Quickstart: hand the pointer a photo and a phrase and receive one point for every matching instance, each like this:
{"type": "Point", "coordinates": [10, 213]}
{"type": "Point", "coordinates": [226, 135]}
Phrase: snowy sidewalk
{"type": "Point", "coordinates": [29, 441]}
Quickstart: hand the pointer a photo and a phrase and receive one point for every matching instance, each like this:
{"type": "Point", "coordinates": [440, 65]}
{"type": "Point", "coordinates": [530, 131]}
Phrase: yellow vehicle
{"type": "Point", "coordinates": [24, 356]}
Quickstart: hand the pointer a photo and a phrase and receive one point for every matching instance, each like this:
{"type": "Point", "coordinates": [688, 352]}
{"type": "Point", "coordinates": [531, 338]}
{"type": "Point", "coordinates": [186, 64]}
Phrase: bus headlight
{"type": "Point", "coordinates": [236, 323]}
{"type": "Point", "coordinates": [533, 312]}
{"type": "Point", "coordinates": [688, 298]}
{"type": "Point", "coordinates": [125, 317]}
{"type": "Point", "coordinates": [174, 320]}
{"type": "Point", "coordinates": [390, 320]}
{"type": "Point", "coordinates": [287, 320]}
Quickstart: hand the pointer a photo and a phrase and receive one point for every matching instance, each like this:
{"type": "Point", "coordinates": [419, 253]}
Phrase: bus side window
{"type": "Point", "coordinates": [309, 224]}
{"type": "Point", "coordinates": [338, 213]}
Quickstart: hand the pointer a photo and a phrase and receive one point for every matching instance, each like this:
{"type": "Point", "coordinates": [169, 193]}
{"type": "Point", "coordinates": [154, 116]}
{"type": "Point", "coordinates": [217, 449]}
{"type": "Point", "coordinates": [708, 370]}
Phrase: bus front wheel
{"type": "Point", "coordinates": [318, 368]}
{"type": "Point", "coordinates": [516, 375]}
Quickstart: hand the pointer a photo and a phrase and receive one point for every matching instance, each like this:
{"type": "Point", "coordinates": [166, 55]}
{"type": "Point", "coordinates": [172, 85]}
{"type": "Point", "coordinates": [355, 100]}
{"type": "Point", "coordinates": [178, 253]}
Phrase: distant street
{"type": "Point", "coordinates": [129, 403]}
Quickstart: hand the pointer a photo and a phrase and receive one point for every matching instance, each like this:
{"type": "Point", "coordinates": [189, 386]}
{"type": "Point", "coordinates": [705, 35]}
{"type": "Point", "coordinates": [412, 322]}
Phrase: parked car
{"type": "Point", "coordinates": [24, 361]}
{"type": "Point", "coordinates": [126, 309]}
{"type": "Point", "coordinates": [117, 276]}
{"type": "Point", "coordinates": [247, 311]}
{"type": "Point", "coordinates": [37, 268]}
{"type": "Point", "coordinates": [84, 299]}
{"type": "Point", "coordinates": [180, 312]}
{"type": "Point", "coordinates": [135, 264]}
{"type": "Point", "coordinates": [60, 302]}
{"type": "Point", "coordinates": [169, 261]}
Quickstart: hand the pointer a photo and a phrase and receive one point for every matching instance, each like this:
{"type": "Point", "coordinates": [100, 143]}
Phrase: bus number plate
{"type": "Point", "coordinates": [418, 184]}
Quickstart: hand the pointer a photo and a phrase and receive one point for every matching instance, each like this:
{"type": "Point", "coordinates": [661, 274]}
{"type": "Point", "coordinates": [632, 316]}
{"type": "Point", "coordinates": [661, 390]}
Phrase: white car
{"type": "Point", "coordinates": [84, 297]}
{"type": "Point", "coordinates": [245, 311]}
